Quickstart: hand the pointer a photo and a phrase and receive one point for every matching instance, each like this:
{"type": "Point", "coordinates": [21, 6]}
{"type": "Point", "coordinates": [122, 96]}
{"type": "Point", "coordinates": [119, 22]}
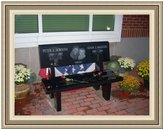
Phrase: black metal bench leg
{"type": "Point", "coordinates": [58, 101]}
{"type": "Point", "coordinates": [106, 91]}
{"type": "Point", "coordinates": [96, 87]}
{"type": "Point", "coordinates": [52, 95]}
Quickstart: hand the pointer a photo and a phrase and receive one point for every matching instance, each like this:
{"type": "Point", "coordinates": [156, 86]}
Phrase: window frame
{"type": "Point", "coordinates": [35, 39]}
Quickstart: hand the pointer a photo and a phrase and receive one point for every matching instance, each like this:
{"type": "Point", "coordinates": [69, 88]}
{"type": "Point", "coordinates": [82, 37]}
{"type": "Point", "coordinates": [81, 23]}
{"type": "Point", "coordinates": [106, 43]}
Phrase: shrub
{"type": "Point", "coordinates": [130, 84]}
{"type": "Point", "coordinates": [143, 69]}
{"type": "Point", "coordinates": [22, 74]}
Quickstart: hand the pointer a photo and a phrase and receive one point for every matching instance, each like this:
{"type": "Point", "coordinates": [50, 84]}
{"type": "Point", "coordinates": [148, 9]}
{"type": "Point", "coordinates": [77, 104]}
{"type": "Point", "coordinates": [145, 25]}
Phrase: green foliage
{"type": "Point", "coordinates": [143, 69]}
{"type": "Point", "coordinates": [113, 65]}
{"type": "Point", "coordinates": [130, 83]}
{"type": "Point", "coordinates": [32, 78]}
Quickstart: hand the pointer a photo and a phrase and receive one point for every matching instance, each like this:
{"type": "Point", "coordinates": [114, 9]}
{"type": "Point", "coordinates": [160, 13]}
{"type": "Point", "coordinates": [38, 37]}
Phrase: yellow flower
{"type": "Point", "coordinates": [143, 69]}
{"type": "Point", "coordinates": [130, 83]}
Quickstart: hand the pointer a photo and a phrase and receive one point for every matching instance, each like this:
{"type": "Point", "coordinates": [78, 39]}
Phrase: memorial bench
{"type": "Point", "coordinates": [67, 64]}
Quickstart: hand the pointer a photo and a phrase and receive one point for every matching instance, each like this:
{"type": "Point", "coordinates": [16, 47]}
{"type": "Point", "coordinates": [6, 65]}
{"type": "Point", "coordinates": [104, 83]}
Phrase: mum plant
{"type": "Point", "coordinates": [130, 84]}
{"type": "Point", "coordinates": [143, 69]}
{"type": "Point", "coordinates": [22, 74]}
{"type": "Point", "coordinates": [126, 63]}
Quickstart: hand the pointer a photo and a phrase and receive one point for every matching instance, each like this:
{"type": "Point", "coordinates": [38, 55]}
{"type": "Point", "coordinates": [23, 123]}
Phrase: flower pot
{"type": "Point", "coordinates": [121, 94]}
{"type": "Point", "coordinates": [146, 84]}
{"type": "Point", "coordinates": [21, 91]}
{"type": "Point", "coordinates": [125, 94]}
{"type": "Point", "coordinates": [122, 74]}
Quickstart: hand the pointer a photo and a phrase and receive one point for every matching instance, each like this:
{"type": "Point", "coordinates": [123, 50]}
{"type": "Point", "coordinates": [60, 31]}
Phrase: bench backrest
{"type": "Point", "coordinates": [57, 55]}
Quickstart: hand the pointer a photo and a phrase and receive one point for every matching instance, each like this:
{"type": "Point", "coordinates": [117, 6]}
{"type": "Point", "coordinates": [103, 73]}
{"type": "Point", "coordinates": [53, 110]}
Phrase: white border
{"type": "Point", "coordinates": [108, 118]}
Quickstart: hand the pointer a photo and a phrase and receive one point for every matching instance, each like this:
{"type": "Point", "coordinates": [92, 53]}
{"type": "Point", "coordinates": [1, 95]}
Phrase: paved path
{"type": "Point", "coordinates": [83, 102]}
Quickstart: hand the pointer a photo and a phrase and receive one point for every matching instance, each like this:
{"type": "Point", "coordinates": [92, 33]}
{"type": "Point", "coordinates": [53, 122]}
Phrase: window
{"type": "Point", "coordinates": [33, 30]}
{"type": "Point", "coordinates": [26, 23]}
{"type": "Point", "coordinates": [103, 22]}
{"type": "Point", "coordinates": [65, 23]}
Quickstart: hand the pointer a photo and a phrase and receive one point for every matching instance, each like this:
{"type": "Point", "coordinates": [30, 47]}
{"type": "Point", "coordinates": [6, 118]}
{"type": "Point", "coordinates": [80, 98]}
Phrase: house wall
{"type": "Point", "coordinates": [136, 48]}
{"type": "Point", "coordinates": [134, 38]}
{"type": "Point", "coordinates": [134, 43]}
{"type": "Point", "coordinates": [135, 26]}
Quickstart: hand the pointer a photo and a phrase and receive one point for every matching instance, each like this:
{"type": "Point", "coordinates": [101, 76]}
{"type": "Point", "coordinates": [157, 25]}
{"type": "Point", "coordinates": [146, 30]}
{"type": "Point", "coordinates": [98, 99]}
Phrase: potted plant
{"type": "Point", "coordinates": [113, 64]}
{"type": "Point", "coordinates": [130, 84]}
{"type": "Point", "coordinates": [143, 71]}
{"type": "Point", "coordinates": [126, 64]}
{"type": "Point", "coordinates": [22, 76]}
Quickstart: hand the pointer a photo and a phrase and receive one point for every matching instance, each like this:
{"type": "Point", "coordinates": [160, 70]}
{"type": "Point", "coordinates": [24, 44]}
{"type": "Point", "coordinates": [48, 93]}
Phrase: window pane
{"type": "Point", "coordinates": [65, 23]}
{"type": "Point", "coordinates": [103, 22]}
{"type": "Point", "coordinates": [26, 23]}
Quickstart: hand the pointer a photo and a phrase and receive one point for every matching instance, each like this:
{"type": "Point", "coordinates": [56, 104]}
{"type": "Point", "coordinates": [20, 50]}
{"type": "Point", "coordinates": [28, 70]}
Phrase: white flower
{"type": "Point", "coordinates": [126, 63]}
{"type": "Point", "coordinates": [22, 74]}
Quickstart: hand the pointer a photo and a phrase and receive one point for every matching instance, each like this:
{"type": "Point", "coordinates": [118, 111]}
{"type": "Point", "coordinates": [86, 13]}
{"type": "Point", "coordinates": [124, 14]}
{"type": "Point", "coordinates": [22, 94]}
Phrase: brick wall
{"type": "Point", "coordinates": [135, 26]}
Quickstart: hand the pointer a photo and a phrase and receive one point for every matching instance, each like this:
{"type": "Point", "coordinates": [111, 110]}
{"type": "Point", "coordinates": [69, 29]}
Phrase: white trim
{"type": "Point", "coordinates": [35, 39]}
{"type": "Point", "coordinates": [40, 24]}
{"type": "Point", "coordinates": [90, 22]}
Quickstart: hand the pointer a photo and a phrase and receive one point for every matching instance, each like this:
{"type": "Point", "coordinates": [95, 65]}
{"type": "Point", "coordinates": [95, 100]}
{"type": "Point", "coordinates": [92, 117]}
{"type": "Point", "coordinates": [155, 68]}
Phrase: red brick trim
{"type": "Point", "coordinates": [135, 33]}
